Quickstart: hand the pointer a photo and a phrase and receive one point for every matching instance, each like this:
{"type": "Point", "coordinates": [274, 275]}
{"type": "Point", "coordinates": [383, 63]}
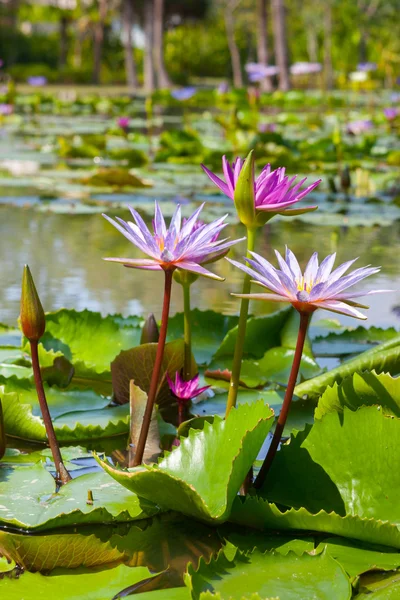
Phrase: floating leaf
{"type": "Point", "coordinates": [20, 422]}
{"type": "Point", "coordinates": [138, 363]}
{"type": "Point", "coordinates": [28, 500]}
{"type": "Point", "coordinates": [81, 583]}
{"type": "Point", "coordinates": [208, 330]}
{"type": "Point", "coordinates": [70, 550]}
{"type": "Point", "coordinates": [270, 575]}
{"type": "Point", "coordinates": [352, 341]}
{"type": "Point", "coordinates": [360, 558]}
{"type": "Point", "coordinates": [202, 476]}
{"type": "Point", "coordinates": [89, 340]}
{"type": "Point", "coordinates": [262, 333]}
{"type": "Point", "coordinates": [345, 462]}
{"type": "Point", "coordinates": [382, 358]}
{"type": "Point", "coordinates": [259, 514]}
{"type": "Point", "coordinates": [366, 388]}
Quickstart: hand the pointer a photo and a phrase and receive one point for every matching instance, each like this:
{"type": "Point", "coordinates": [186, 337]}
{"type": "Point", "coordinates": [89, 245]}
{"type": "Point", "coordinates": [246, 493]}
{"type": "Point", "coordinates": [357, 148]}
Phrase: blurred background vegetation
{"type": "Point", "coordinates": [153, 44]}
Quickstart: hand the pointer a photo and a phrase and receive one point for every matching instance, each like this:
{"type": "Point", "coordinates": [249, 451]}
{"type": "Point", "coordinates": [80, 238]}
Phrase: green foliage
{"type": "Point", "coordinates": [189, 479]}
{"type": "Point", "coordinates": [258, 575]}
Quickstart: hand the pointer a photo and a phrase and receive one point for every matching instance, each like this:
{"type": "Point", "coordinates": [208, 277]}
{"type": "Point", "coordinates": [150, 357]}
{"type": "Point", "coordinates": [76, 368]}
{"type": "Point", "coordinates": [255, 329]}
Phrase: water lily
{"type": "Point", "coordinates": [391, 113]}
{"type": "Point", "coordinates": [274, 191]}
{"type": "Point", "coordinates": [317, 287]}
{"type": "Point", "coordinates": [360, 126]}
{"type": "Point", "coordinates": [123, 123]}
{"type": "Point", "coordinates": [258, 71]}
{"type": "Point", "coordinates": [367, 66]}
{"type": "Point", "coordinates": [257, 200]}
{"type": "Point", "coordinates": [37, 80]}
{"type": "Point", "coordinates": [184, 391]}
{"type": "Point", "coordinates": [305, 68]}
{"type": "Point", "coordinates": [184, 246]}
{"type": "Point", "coordinates": [183, 94]}
{"type": "Point", "coordinates": [6, 109]}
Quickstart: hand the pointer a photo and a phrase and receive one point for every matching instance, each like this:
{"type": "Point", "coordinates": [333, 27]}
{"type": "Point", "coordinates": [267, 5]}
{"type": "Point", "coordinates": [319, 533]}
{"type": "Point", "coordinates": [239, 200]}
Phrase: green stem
{"type": "Point", "coordinates": [156, 371]}
{"type": "Point", "coordinates": [62, 474]}
{"type": "Point", "coordinates": [187, 332]}
{"type": "Point", "coordinates": [301, 338]}
{"type": "Point", "coordinates": [241, 333]}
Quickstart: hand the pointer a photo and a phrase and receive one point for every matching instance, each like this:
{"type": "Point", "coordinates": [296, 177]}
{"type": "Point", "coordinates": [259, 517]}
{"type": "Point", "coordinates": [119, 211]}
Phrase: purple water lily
{"type": "Point", "coordinates": [367, 66]}
{"type": "Point", "coordinates": [360, 126]}
{"type": "Point", "coordinates": [317, 287]}
{"type": "Point", "coordinates": [183, 246]}
{"type": "Point", "coordinates": [273, 190]}
{"type": "Point", "coordinates": [258, 71]}
{"type": "Point", "coordinates": [305, 68]}
{"type": "Point", "coordinates": [37, 80]}
{"type": "Point", "coordinates": [183, 94]}
{"type": "Point", "coordinates": [186, 390]}
{"type": "Point", "coordinates": [6, 109]}
{"type": "Point", "coordinates": [391, 113]}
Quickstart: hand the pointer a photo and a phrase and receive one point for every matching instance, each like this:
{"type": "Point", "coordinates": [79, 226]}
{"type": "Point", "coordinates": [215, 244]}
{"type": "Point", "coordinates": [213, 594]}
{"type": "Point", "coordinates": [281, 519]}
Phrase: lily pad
{"type": "Point", "coordinates": [259, 514]}
{"type": "Point", "coordinates": [362, 389]}
{"type": "Point", "coordinates": [89, 340]}
{"type": "Point", "coordinates": [202, 476]}
{"type": "Point", "coordinates": [28, 500]}
{"type": "Point", "coordinates": [352, 341]}
{"type": "Point", "coordinates": [345, 462]}
{"type": "Point", "coordinates": [209, 328]}
{"type": "Point", "coordinates": [270, 575]}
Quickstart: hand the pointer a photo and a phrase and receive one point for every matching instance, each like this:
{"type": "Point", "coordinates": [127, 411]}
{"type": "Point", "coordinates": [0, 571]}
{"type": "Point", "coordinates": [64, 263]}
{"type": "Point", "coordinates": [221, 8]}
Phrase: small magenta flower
{"type": "Point", "coordinates": [182, 246]}
{"type": "Point", "coordinates": [123, 123]}
{"type": "Point", "coordinates": [317, 287]}
{"type": "Point", "coordinates": [391, 113]}
{"type": "Point", "coordinates": [273, 192]}
{"type": "Point", "coordinates": [185, 391]}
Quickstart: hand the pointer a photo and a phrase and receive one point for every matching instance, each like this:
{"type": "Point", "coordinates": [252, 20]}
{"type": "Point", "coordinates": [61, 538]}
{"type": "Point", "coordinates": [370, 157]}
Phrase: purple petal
{"type": "Point", "coordinates": [195, 268]}
{"type": "Point", "coordinates": [218, 182]}
{"type": "Point", "coordinates": [341, 308]}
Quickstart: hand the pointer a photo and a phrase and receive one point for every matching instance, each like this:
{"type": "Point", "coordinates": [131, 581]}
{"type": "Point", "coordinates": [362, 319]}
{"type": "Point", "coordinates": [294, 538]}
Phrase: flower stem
{"type": "Point", "coordinates": [241, 333]}
{"type": "Point", "coordinates": [156, 371]}
{"type": "Point", "coordinates": [181, 413]}
{"type": "Point", "coordinates": [301, 337]}
{"type": "Point", "coordinates": [62, 474]}
{"type": "Point", "coordinates": [187, 332]}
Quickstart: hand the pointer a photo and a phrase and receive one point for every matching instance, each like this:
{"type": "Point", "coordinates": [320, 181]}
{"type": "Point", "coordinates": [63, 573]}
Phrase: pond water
{"type": "Point", "coordinates": [65, 255]}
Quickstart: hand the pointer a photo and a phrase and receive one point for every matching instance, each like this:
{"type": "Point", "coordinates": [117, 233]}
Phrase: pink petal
{"type": "Point", "coordinates": [195, 268]}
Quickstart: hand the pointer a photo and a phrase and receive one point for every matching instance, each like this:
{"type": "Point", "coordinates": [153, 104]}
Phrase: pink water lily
{"type": "Point", "coordinates": [185, 246]}
{"type": "Point", "coordinates": [273, 190]}
{"type": "Point", "coordinates": [317, 287]}
{"type": "Point", "coordinates": [186, 390]}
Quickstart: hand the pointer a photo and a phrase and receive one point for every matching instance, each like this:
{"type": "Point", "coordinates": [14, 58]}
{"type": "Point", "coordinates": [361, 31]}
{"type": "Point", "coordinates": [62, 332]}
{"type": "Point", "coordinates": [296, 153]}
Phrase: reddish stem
{"type": "Point", "coordinates": [301, 338]}
{"type": "Point", "coordinates": [181, 412]}
{"type": "Point", "coordinates": [62, 474]}
{"type": "Point", "coordinates": [156, 371]}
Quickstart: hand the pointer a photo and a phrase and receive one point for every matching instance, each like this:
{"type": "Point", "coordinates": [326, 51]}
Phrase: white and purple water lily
{"type": "Point", "coordinates": [273, 190]}
{"type": "Point", "coordinates": [186, 390]}
{"type": "Point", "coordinates": [317, 287]}
{"type": "Point", "coordinates": [185, 246]}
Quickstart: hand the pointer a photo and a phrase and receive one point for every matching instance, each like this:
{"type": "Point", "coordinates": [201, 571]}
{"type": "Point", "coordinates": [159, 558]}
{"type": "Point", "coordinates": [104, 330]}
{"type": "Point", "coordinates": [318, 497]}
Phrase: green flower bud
{"type": "Point", "coordinates": [185, 277]}
{"type": "Point", "coordinates": [244, 197]}
{"type": "Point", "coordinates": [150, 332]}
{"type": "Point", "coordinates": [33, 322]}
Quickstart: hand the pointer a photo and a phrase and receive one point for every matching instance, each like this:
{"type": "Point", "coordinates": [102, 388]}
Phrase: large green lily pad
{"type": "Point", "coordinates": [270, 575]}
{"type": "Point", "coordinates": [347, 462]}
{"type": "Point", "coordinates": [28, 500]}
{"type": "Point", "coordinates": [202, 476]}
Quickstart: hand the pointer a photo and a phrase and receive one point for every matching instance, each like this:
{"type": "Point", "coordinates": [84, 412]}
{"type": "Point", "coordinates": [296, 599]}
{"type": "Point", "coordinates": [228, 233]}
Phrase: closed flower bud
{"type": "Point", "coordinates": [150, 332]}
{"type": "Point", "coordinates": [33, 322]}
{"type": "Point", "coordinates": [244, 192]}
